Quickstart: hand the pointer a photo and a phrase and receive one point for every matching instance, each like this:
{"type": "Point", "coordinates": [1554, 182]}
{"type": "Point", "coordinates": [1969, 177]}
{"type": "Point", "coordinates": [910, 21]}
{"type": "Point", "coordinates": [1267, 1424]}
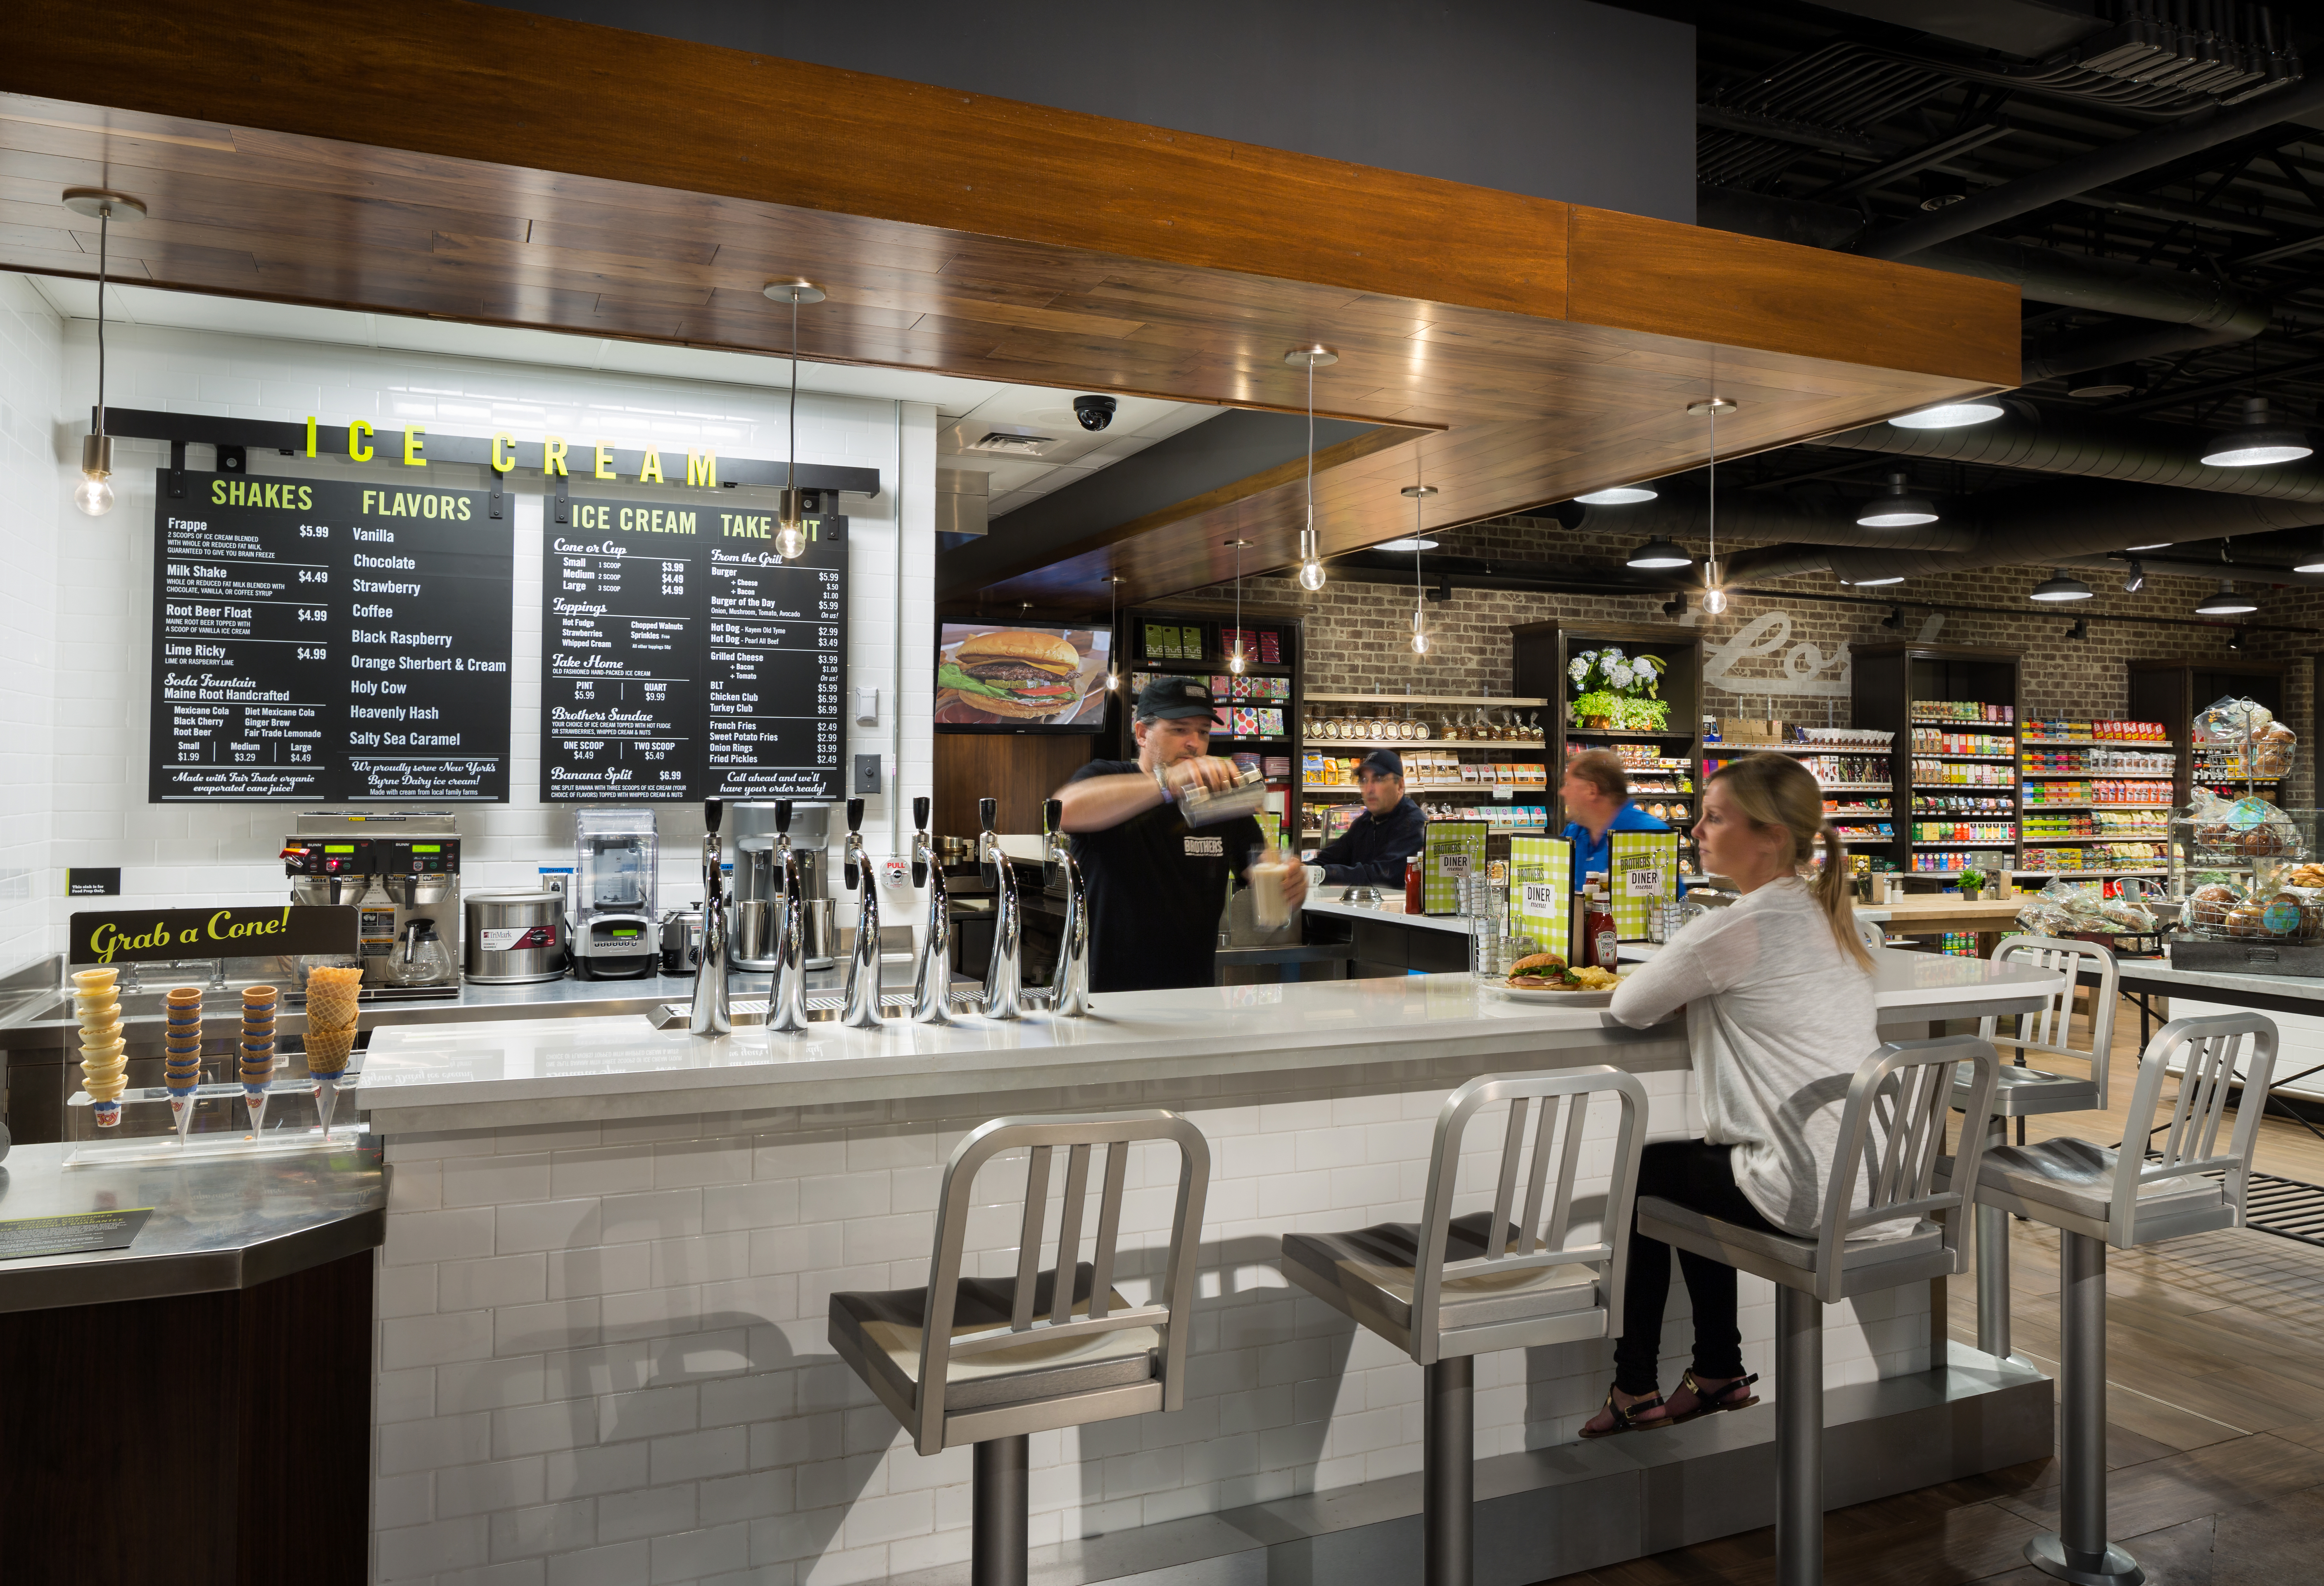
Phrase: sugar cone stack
{"type": "Point", "coordinates": [103, 1053]}
{"type": "Point", "coordinates": [181, 1066]}
{"type": "Point", "coordinates": [257, 1050]}
{"type": "Point", "coordinates": [330, 1032]}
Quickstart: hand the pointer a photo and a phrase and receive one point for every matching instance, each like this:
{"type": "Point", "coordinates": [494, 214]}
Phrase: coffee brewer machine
{"type": "Point", "coordinates": [756, 905]}
{"type": "Point", "coordinates": [614, 933]}
{"type": "Point", "coordinates": [400, 871]}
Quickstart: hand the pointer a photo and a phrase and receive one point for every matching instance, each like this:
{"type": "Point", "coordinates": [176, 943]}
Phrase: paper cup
{"type": "Point", "coordinates": [108, 1113]}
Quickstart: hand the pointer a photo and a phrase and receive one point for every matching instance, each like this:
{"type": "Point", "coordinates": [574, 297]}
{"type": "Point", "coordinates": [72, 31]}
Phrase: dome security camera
{"type": "Point", "coordinates": [1095, 412]}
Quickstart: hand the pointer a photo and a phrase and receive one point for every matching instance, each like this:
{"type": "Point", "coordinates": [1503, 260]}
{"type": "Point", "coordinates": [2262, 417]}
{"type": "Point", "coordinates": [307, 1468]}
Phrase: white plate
{"type": "Point", "coordinates": [1561, 998]}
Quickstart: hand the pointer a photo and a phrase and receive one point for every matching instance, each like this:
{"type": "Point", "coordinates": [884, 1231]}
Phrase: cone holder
{"type": "Point", "coordinates": [223, 1143]}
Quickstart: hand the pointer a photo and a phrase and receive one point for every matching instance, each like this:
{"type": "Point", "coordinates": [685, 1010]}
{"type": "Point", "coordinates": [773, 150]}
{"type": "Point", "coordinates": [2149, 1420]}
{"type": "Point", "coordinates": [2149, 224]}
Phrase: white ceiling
{"type": "Point", "coordinates": [966, 408]}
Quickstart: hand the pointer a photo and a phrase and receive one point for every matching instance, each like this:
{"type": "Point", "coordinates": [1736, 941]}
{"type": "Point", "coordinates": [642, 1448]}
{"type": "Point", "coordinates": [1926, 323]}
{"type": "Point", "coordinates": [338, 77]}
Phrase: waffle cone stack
{"type": "Point", "coordinates": [331, 1019]}
{"type": "Point", "coordinates": [104, 1054]}
{"type": "Point", "coordinates": [256, 1052]}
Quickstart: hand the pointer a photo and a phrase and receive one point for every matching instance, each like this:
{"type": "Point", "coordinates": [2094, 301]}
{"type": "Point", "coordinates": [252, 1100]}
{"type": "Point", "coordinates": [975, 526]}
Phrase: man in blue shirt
{"type": "Point", "coordinates": [1595, 793]}
{"type": "Point", "coordinates": [1372, 851]}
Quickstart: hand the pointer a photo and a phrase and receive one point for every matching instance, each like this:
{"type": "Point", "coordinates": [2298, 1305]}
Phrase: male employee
{"type": "Point", "coordinates": [1157, 886]}
{"type": "Point", "coordinates": [1597, 797]}
{"type": "Point", "coordinates": [1372, 851]}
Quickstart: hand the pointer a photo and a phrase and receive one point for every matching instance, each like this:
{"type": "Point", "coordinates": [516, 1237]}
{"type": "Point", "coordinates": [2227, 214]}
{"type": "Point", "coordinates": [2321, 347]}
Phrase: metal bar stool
{"type": "Point", "coordinates": [2021, 1091]}
{"type": "Point", "coordinates": [988, 1361]}
{"type": "Point", "coordinates": [1907, 1090]}
{"type": "Point", "coordinates": [2096, 1198]}
{"type": "Point", "coordinates": [1448, 1288]}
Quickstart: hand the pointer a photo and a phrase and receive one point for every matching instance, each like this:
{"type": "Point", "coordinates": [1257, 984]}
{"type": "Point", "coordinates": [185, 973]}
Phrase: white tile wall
{"type": "Point", "coordinates": [602, 1353]}
{"type": "Point", "coordinates": [76, 603]}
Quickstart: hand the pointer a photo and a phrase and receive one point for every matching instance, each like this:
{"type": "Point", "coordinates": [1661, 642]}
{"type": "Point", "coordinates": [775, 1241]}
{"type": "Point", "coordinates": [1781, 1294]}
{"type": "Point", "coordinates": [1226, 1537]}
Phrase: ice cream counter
{"type": "Point", "coordinates": [610, 1251]}
{"type": "Point", "coordinates": [194, 1404]}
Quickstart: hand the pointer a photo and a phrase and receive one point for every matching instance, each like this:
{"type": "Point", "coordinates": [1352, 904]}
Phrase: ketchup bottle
{"type": "Point", "coordinates": [1413, 886]}
{"type": "Point", "coordinates": [1600, 944]}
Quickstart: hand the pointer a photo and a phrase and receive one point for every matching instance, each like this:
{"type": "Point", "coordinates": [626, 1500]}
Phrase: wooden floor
{"type": "Point", "coordinates": [2215, 1414]}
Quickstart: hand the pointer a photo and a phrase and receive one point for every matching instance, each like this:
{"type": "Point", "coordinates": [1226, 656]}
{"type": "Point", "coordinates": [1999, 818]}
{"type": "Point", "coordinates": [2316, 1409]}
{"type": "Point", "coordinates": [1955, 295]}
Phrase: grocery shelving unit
{"type": "Point", "coordinates": [1896, 688]}
{"type": "Point", "coordinates": [2040, 770]}
{"type": "Point", "coordinates": [2172, 691]}
{"type": "Point", "coordinates": [1433, 709]}
{"type": "Point", "coordinates": [1212, 619]}
{"type": "Point", "coordinates": [1541, 652]}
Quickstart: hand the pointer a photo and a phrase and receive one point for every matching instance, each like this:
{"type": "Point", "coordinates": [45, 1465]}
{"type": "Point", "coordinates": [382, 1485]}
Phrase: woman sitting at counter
{"type": "Point", "coordinates": [1778, 994]}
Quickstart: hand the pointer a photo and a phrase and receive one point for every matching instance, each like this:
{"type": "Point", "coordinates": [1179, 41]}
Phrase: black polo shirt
{"type": "Point", "coordinates": [1157, 888]}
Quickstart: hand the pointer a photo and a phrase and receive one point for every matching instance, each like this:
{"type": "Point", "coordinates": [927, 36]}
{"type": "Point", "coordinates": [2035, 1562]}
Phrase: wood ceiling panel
{"type": "Point", "coordinates": [463, 165]}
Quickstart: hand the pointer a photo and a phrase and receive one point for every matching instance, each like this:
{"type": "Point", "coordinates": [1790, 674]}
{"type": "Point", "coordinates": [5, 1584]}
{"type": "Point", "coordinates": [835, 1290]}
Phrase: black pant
{"type": "Point", "coordinates": [1698, 1175]}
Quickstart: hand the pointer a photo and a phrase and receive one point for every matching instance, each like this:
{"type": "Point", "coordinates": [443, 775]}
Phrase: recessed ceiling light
{"type": "Point", "coordinates": [1899, 506]}
{"type": "Point", "coordinates": [1407, 543]}
{"type": "Point", "coordinates": [1012, 444]}
{"type": "Point", "coordinates": [1619, 495]}
{"type": "Point", "coordinates": [2257, 441]}
{"type": "Point", "coordinates": [1951, 415]}
{"type": "Point", "coordinates": [2227, 603]}
{"type": "Point", "coordinates": [2059, 587]}
{"type": "Point", "coordinates": [1879, 582]}
{"type": "Point", "coordinates": [1659, 552]}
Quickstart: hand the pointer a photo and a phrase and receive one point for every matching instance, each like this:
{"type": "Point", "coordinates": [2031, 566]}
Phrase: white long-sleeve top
{"type": "Point", "coordinates": [1778, 1019]}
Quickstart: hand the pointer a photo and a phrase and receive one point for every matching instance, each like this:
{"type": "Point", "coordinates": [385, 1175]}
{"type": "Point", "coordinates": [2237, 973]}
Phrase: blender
{"type": "Point", "coordinates": [615, 934]}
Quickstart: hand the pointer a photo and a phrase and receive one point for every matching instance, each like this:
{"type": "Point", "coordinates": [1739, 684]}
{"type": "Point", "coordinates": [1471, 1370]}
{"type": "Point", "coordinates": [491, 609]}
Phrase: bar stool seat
{"type": "Point", "coordinates": [2069, 1178]}
{"type": "Point", "coordinates": [1447, 1288]}
{"type": "Point", "coordinates": [879, 1334]}
{"type": "Point", "coordinates": [1375, 1270]}
{"type": "Point", "coordinates": [1744, 1248]}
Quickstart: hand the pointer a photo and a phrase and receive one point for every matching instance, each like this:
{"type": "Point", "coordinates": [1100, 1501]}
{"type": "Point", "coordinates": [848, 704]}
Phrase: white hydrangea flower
{"type": "Point", "coordinates": [1580, 670]}
{"type": "Point", "coordinates": [1619, 675]}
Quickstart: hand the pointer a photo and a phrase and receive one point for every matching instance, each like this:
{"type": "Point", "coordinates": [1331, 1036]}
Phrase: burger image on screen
{"type": "Point", "coordinates": [1012, 672]}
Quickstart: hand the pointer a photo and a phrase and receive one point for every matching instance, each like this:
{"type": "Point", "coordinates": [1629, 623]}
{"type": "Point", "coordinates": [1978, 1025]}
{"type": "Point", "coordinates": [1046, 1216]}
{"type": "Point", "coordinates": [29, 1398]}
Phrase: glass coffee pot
{"type": "Point", "coordinates": [419, 957]}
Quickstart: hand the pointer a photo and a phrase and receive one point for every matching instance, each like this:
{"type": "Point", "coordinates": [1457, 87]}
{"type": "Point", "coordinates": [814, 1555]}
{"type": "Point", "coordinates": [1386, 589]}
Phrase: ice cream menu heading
{"type": "Point", "coordinates": [326, 640]}
{"type": "Point", "coordinates": [683, 658]}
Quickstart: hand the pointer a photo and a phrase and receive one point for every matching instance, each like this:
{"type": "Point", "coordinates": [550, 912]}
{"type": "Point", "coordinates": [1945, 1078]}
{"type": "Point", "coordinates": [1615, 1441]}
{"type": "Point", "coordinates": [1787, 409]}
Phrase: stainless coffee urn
{"type": "Point", "coordinates": [401, 870]}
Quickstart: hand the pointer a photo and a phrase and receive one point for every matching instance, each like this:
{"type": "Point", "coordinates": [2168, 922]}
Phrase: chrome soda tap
{"type": "Point", "coordinates": [863, 961]}
{"type": "Point", "coordinates": [712, 1014]}
{"type": "Point", "coordinates": [932, 977]}
{"type": "Point", "coordinates": [1004, 976]}
{"type": "Point", "coordinates": [1069, 985]}
{"type": "Point", "coordinates": [787, 996]}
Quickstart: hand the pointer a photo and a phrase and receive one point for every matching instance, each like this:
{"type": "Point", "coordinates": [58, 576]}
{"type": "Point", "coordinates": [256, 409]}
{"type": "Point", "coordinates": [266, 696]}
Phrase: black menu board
{"type": "Point", "coordinates": [328, 639]}
{"type": "Point", "coordinates": [682, 658]}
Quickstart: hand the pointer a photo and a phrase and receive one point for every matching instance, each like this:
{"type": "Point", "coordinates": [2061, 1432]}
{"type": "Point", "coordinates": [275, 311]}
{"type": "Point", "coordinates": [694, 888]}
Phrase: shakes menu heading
{"type": "Point", "coordinates": [683, 658]}
{"type": "Point", "coordinates": [325, 639]}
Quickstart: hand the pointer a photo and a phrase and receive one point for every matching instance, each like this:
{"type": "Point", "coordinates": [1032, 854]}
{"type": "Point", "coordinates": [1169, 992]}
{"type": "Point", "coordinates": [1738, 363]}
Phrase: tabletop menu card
{"type": "Point", "coordinates": [683, 658]}
{"type": "Point", "coordinates": [330, 641]}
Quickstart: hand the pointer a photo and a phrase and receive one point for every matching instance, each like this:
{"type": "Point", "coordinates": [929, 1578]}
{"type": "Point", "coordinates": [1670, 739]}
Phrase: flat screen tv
{"type": "Point", "coordinates": [996, 678]}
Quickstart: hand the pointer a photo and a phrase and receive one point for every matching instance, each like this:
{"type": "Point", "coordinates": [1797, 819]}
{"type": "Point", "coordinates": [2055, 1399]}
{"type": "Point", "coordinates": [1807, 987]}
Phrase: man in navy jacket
{"type": "Point", "coordinates": [1372, 851]}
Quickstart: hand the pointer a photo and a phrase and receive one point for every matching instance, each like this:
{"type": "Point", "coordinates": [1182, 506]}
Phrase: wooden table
{"type": "Point", "coordinates": [1915, 916]}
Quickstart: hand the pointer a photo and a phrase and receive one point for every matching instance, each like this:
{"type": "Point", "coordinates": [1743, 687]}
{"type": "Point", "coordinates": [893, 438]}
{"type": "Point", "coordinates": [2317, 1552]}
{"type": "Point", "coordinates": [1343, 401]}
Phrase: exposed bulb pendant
{"type": "Point", "coordinates": [1114, 651]}
{"type": "Point", "coordinates": [1234, 656]}
{"type": "Point", "coordinates": [93, 495]}
{"type": "Point", "coordinates": [1714, 592]}
{"type": "Point", "coordinates": [1418, 492]}
{"type": "Point", "coordinates": [790, 503]}
{"type": "Point", "coordinates": [1311, 557]}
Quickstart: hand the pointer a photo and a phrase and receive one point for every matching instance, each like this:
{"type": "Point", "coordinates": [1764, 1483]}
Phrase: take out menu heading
{"type": "Point", "coordinates": [329, 639]}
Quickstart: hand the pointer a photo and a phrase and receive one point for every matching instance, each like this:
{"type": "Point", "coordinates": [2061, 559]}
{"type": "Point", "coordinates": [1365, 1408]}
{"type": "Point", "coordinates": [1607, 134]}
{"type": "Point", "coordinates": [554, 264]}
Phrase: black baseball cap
{"type": "Point", "coordinates": [1383, 762]}
{"type": "Point", "coordinates": [1174, 698]}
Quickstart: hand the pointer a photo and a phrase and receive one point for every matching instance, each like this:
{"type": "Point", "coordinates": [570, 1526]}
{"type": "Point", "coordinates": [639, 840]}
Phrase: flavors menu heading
{"type": "Point", "coordinates": [682, 658]}
{"type": "Point", "coordinates": [326, 640]}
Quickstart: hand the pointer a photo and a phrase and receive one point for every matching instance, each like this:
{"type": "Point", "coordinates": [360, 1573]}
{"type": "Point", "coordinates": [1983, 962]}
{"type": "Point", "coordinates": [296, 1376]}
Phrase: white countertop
{"type": "Point", "coordinates": [1325, 899]}
{"type": "Point", "coordinates": [520, 1072]}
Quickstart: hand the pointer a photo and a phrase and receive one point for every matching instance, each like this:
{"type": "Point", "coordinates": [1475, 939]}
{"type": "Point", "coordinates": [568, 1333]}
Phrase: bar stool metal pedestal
{"type": "Point", "coordinates": [1448, 1288]}
{"type": "Point", "coordinates": [989, 1362]}
{"type": "Point", "coordinates": [2096, 1198]}
{"type": "Point", "coordinates": [2023, 1092]}
{"type": "Point", "coordinates": [1907, 1090]}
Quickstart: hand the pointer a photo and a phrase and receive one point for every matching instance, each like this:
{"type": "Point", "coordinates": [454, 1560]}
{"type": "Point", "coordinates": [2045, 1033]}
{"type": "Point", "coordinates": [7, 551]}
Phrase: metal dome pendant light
{"type": "Point", "coordinates": [790, 509]}
{"type": "Point", "coordinates": [1235, 659]}
{"type": "Point", "coordinates": [93, 495]}
{"type": "Point", "coordinates": [1898, 507]}
{"type": "Point", "coordinates": [1618, 495]}
{"type": "Point", "coordinates": [1310, 559]}
{"type": "Point", "coordinates": [2060, 586]}
{"type": "Point", "coordinates": [2258, 441]}
{"type": "Point", "coordinates": [1714, 591]}
{"type": "Point", "coordinates": [2225, 602]}
{"type": "Point", "coordinates": [1420, 639]}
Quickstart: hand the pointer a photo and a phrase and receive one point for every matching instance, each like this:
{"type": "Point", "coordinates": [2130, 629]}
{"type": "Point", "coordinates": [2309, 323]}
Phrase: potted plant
{"type": "Point", "coordinates": [1617, 690]}
{"type": "Point", "coordinates": [1972, 883]}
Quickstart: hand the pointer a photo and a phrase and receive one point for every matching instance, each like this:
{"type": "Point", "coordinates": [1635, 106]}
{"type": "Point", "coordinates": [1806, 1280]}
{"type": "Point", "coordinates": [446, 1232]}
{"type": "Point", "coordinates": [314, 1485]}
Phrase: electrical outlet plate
{"type": "Point", "coordinates": [868, 778]}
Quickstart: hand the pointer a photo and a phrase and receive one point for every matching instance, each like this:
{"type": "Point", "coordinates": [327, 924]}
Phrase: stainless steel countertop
{"type": "Point", "coordinates": [215, 1224]}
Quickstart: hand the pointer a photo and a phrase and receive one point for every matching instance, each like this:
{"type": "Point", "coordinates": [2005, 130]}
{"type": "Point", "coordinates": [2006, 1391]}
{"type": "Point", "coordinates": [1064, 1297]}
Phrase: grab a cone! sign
{"type": "Point", "coordinates": [130, 936]}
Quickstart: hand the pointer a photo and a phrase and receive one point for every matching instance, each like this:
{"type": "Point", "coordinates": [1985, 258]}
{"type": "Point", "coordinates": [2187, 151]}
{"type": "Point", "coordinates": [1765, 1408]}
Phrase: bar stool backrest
{"type": "Point", "coordinates": [1871, 933]}
{"type": "Point", "coordinates": [2049, 1028]}
{"type": "Point", "coordinates": [2210, 1051]}
{"type": "Point", "coordinates": [1170, 1311]}
{"type": "Point", "coordinates": [1541, 1232]}
{"type": "Point", "coordinates": [1907, 1089]}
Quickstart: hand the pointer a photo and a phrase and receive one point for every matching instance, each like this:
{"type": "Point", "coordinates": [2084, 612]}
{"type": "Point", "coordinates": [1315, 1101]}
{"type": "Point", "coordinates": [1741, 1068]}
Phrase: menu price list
{"type": "Point", "coordinates": [686, 660]}
{"type": "Point", "coordinates": [328, 639]}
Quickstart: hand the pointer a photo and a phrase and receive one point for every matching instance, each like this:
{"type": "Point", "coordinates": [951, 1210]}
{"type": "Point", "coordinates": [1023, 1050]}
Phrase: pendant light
{"type": "Point", "coordinates": [1951, 415]}
{"type": "Point", "coordinates": [1418, 492]}
{"type": "Point", "coordinates": [2258, 441]}
{"type": "Point", "coordinates": [2060, 586]}
{"type": "Point", "coordinates": [1714, 591]}
{"type": "Point", "coordinates": [2314, 564]}
{"type": "Point", "coordinates": [94, 494]}
{"type": "Point", "coordinates": [1113, 649]}
{"type": "Point", "coordinates": [1659, 552]}
{"type": "Point", "coordinates": [1898, 507]}
{"type": "Point", "coordinates": [1310, 559]}
{"type": "Point", "coordinates": [2227, 603]}
{"type": "Point", "coordinates": [790, 511]}
{"type": "Point", "coordinates": [1235, 657]}
{"type": "Point", "coordinates": [1619, 495]}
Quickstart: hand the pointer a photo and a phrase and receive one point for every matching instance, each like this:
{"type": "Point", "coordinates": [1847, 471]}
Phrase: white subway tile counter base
{"type": "Point", "coordinates": [602, 1349]}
